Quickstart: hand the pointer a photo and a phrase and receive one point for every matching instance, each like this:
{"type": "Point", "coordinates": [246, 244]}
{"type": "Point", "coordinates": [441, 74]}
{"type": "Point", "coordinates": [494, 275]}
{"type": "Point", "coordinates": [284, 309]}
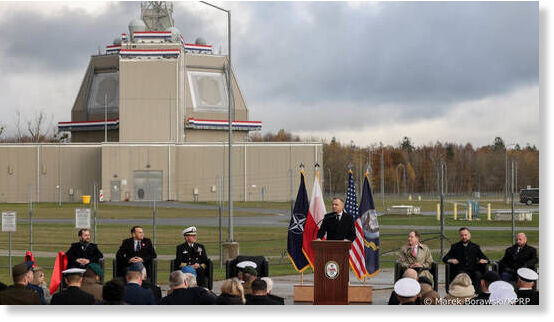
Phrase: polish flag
{"type": "Point", "coordinates": [313, 220]}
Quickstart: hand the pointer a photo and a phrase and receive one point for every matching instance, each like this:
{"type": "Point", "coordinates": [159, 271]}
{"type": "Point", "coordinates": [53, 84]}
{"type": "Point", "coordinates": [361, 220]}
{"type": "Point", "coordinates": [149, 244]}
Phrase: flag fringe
{"type": "Point", "coordinates": [294, 265]}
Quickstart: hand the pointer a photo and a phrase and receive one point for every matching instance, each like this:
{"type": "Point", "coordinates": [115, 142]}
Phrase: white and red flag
{"type": "Point", "coordinates": [314, 218]}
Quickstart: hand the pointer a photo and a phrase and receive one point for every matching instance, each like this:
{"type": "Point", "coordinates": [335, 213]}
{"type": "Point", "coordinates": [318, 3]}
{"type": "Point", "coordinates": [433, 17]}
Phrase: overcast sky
{"type": "Point", "coordinates": [369, 72]}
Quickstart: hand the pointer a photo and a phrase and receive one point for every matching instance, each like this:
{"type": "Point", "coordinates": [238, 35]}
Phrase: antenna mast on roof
{"type": "Point", "coordinates": [157, 15]}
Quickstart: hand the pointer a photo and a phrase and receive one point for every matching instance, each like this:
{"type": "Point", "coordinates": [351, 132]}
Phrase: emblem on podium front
{"type": "Point", "coordinates": [331, 270]}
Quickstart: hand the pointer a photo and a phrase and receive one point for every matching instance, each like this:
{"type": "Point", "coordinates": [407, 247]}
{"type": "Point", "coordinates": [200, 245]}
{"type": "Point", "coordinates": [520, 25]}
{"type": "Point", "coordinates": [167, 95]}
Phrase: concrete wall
{"type": "Point", "coordinates": [147, 91]}
{"type": "Point", "coordinates": [33, 171]}
{"type": "Point", "coordinates": [200, 166]}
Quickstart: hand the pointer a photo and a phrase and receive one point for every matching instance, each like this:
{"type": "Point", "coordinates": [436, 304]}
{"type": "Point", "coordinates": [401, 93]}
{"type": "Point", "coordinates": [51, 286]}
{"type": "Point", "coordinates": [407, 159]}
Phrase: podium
{"type": "Point", "coordinates": [331, 272]}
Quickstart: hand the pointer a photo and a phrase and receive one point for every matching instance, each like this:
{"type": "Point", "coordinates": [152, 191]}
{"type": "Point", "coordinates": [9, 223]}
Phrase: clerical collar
{"type": "Point", "coordinates": [525, 288]}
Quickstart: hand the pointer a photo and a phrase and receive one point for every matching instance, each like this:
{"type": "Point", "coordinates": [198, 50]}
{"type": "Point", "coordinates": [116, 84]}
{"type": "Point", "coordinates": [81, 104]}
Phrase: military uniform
{"type": "Point", "coordinates": [188, 255]}
{"type": "Point", "coordinates": [19, 294]}
{"type": "Point", "coordinates": [89, 251]}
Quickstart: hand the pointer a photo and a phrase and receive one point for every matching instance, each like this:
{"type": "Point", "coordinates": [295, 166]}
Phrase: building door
{"type": "Point", "coordinates": [115, 194]}
{"type": "Point", "coordinates": [147, 185]}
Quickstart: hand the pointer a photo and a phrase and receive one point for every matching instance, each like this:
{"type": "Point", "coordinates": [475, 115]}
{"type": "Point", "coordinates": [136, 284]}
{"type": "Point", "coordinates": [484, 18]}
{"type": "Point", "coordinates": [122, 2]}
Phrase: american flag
{"type": "Point", "coordinates": [357, 253]}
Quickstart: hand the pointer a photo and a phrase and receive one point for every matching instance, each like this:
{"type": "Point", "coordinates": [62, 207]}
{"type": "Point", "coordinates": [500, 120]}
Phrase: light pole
{"type": "Point", "coordinates": [229, 115]}
{"type": "Point", "coordinates": [106, 117]}
{"type": "Point", "coordinates": [506, 171]}
{"type": "Point", "coordinates": [330, 183]}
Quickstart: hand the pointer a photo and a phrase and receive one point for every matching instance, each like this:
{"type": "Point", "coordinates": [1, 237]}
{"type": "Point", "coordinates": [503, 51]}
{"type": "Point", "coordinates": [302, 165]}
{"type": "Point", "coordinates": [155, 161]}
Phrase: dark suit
{"type": "Point", "coordinates": [188, 256]}
{"type": "Point", "coordinates": [468, 258]}
{"type": "Point", "coordinates": [89, 251]}
{"type": "Point", "coordinates": [532, 295]}
{"type": "Point", "coordinates": [514, 260]}
{"type": "Point", "coordinates": [156, 290]}
{"type": "Point", "coordinates": [190, 296]}
{"type": "Point", "coordinates": [127, 251]}
{"type": "Point", "coordinates": [260, 300]}
{"type": "Point", "coordinates": [73, 296]}
{"type": "Point", "coordinates": [137, 295]}
{"type": "Point", "coordinates": [335, 229]}
{"type": "Point", "coordinates": [19, 295]}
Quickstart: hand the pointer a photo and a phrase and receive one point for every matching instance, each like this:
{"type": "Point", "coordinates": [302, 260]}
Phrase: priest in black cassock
{"type": "Point", "coordinates": [337, 225]}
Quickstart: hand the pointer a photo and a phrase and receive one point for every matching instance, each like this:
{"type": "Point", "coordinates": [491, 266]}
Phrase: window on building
{"type": "Point", "coordinates": [104, 91]}
{"type": "Point", "coordinates": [208, 91]}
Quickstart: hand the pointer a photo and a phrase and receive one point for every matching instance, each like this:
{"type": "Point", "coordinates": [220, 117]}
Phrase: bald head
{"type": "Point", "coordinates": [410, 273]}
{"type": "Point", "coordinates": [521, 239]}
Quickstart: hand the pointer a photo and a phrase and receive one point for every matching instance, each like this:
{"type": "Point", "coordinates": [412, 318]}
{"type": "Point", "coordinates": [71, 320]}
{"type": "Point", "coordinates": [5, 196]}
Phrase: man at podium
{"type": "Point", "coordinates": [337, 225]}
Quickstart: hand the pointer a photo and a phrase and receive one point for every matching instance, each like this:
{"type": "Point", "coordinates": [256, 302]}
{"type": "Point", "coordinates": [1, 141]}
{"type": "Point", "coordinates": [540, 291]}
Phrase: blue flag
{"type": "Point", "coordinates": [370, 228]}
{"type": "Point", "coordinates": [296, 228]}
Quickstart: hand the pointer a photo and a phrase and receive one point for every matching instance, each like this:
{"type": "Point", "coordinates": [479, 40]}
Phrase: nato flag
{"type": "Point", "coordinates": [296, 228]}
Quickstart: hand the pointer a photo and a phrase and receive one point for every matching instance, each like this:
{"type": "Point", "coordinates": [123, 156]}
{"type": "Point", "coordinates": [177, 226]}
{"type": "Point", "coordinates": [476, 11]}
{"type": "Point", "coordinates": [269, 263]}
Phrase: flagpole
{"type": "Point", "coordinates": [301, 278]}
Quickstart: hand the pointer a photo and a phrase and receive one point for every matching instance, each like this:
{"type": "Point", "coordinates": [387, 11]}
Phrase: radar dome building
{"type": "Point", "coordinates": [150, 122]}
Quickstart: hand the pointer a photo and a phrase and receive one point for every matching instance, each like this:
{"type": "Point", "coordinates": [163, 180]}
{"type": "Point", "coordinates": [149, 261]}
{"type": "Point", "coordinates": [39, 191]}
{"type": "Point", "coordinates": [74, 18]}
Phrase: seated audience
{"type": "Point", "coordinates": [269, 282]}
{"type": "Point", "coordinates": [134, 293]}
{"type": "Point", "coordinates": [466, 257]}
{"type": "Point", "coordinates": [73, 295]}
{"type": "Point", "coordinates": [113, 292]}
{"type": "Point", "coordinates": [517, 256]}
{"type": "Point", "coordinates": [18, 293]}
{"type": "Point", "coordinates": [232, 293]}
{"type": "Point", "coordinates": [484, 295]}
{"type": "Point", "coordinates": [249, 274]}
{"type": "Point", "coordinates": [259, 294]}
{"type": "Point", "coordinates": [184, 291]}
{"type": "Point", "coordinates": [417, 256]}
{"type": "Point", "coordinates": [408, 273]}
{"type": "Point", "coordinates": [460, 289]}
{"type": "Point", "coordinates": [83, 252]}
{"type": "Point", "coordinates": [502, 293]}
{"type": "Point", "coordinates": [407, 290]}
{"type": "Point", "coordinates": [527, 279]}
{"type": "Point", "coordinates": [38, 279]}
{"type": "Point", "coordinates": [91, 281]}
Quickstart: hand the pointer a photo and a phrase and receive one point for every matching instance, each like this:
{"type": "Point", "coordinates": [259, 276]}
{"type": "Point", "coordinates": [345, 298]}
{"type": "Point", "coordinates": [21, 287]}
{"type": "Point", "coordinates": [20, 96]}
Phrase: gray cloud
{"type": "Point", "coordinates": [386, 62]}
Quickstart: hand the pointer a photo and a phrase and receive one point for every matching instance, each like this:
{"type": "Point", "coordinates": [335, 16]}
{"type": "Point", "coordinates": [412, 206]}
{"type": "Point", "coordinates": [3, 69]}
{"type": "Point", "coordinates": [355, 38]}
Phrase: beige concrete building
{"type": "Point", "coordinates": [150, 122]}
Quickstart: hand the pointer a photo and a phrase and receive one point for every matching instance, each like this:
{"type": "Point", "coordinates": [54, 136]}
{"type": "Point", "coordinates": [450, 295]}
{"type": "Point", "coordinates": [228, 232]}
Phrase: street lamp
{"type": "Point", "coordinates": [506, 171]}
{"type": "Point", "coordinates": [230, 179]}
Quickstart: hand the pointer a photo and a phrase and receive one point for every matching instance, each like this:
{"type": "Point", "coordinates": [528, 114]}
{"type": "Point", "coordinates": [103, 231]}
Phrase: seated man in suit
{"type": "Point", "coordinates": [337, 225]}
{"type": "Point", "coordinates": [517, 256]}
{"type": "Point", "coordinates": [82, 253]}
{"type": "Point", "coordinates": [191, 253]}
{"type": "Point", "coordinates": [136, 249]}
{"type": "Point", "coordinates": [416, 255]}
{"type": "Point", "coordinates": [466, 257]}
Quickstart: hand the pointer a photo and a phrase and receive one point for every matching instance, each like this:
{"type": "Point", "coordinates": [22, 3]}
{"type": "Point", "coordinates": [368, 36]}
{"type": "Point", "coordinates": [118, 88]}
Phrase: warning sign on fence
{"type": "Point", "coordinates": [82, 218]}
{"type": "Point", "coordinates": [9, 221]}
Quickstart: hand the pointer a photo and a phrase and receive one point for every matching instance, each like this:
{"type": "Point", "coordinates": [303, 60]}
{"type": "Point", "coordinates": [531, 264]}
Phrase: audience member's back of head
{"type": "Point", "coordinates": [269, 283]}
{"type": "Point", "coordinates": [410, 273]}
{"type": "Point", "coordinates": [176, 278]}
{"type": "Point", "coordinates": [259, 287]}
{"type": "Point", "coordinates": [430, 298]}
{"type": "Point", "coordinates": [113, 292]}
{"type": "Point", "coordinates": [232, 287]}
{"type": "Point", "coordinates": [191, 280]}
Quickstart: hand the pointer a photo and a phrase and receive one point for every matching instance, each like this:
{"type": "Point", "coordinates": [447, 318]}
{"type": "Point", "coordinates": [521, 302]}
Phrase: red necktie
{"type": "Point", "coordinates": [414, 251]}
